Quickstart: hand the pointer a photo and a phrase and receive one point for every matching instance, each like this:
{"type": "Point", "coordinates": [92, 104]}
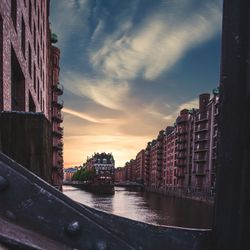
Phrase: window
{"type": "Point", "coordinates": [30, 15]}
{"type": "Point", "coordinates": [38, 19]}
{"type": "Point", "coordinates": [34, 78]}
{"type": "Point", "coordinates": [17, 84]}
{"type": "Point", "coordinates": [34, 37]}
{"type": "Point", "coordinates": [14, 12]}
{"type": "Point", "coordinates": [32, 107]}
{"type": "Point", "coordinates": [29, 51]}
{"type": "Point", "coordinates": [38, 55]}
{"type": "Point", "coordinates": [38, 88]}
{"type": "Point", "coordinates": [23, 37]}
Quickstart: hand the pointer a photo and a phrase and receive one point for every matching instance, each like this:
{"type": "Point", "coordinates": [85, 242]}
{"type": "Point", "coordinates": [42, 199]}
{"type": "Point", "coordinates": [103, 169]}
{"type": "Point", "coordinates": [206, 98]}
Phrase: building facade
{"type": "Point", "coordinates": [183, 156]}
{"type": "Point", "coordinates": [68, 173]}
{"type": "Point", "coordinates": [140, 166]}
{"type": "Point", "coordinates": [103, 166]}
{"type": "Point", "coordinates": [120, 175]}
{"type": "Point", "coordinates": [29, 68]}
{"type": "Point", "coordinates": [169, 159]}
{"type": "Point", "coordinates": [205, 142]}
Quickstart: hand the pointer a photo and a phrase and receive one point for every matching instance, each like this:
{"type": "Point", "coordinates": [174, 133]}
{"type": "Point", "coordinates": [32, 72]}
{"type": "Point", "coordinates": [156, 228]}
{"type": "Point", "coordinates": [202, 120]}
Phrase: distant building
{"type": "Point", "coordinates": [169, 159]}
{"type": "Point", "coordinates": [183, 156]}
{"type": "Point", "coordinates": [103, 165]}
{"type": "Point", "coordinates": [68, 173]}
{"type": "Point", "coordinates": [140, 166]}
{"type": "Point", "coordinates": [120, 174]}
{"type": "Point", "coordinates": [147, 165]}
{"type": "Point", "coordinates": [155, 169]}
{"type": "Point", "coordinates": [182, 147]}
{"type": "Point", "coordinates": [29, 73]}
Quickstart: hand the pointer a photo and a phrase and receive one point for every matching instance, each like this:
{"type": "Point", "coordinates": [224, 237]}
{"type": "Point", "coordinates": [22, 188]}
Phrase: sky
{"type": "Point", "coordinates": [129, 66]}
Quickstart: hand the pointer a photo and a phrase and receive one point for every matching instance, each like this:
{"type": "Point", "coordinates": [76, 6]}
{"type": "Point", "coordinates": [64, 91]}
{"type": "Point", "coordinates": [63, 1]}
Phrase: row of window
{"type": "Point", "coordinates": [103, 168]}
{"type": "Point", "coordinates": [23, 37]}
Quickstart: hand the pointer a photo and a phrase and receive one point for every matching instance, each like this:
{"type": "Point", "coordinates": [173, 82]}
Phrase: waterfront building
{"type": "Point", "coordinates": [182, 147]}
{"type": "Point", "coordinates": [183, 156]}
{"type": "Point", "coordinates": [29, 74]}
{"type": "Point", "coordinates": [68, 173]}
{"type": "Point", "coordinates": [103, 167]}
{"type": "Point", "coordinates": [140, 166]}
{"type": "Point", "coordinates": [130, 170]}
{"type": "Point", "coordinates": [155, 171]}
{"type": "Point", "coordinates": [205, 142]}
{"type": "Point", "coordinates": [169, 159]}
{"type": "Point", "coordinates": [56, 117]}
{"type": "Point", "coordinates": [120, 174]}
{"type": "Point", "coordinates": [147, 164]}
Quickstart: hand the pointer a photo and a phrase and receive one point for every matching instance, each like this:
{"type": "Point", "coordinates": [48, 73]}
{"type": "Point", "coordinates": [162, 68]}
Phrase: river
{"type": "Point", "coordinates": [147, 207]}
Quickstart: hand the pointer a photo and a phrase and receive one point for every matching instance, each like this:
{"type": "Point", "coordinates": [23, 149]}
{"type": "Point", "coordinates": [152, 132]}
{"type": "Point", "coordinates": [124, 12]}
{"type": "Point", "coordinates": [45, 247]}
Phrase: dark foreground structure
{"type": "Point", "coordinates": [34, 215]}
{"type": "Point", "coordinates": [232, 206]}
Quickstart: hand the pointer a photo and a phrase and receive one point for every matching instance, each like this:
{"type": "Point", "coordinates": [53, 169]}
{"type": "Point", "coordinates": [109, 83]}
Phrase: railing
{"type": "Point", "coordinates": [58, 104]}
{"type": "Point", "coordinates": [201, 138]}
{"type": "Point", "coordinates": [201, 128]}
{"type": "Point", "coordinates": [201, 148]}
{"type": "Point", "coordinates": [180, 156]}
{"type": "Point", "coordinates": [201, 118]}
{"type": "Point", "coordinates": [58, 118]}
{"type": "Point", "coordinates": [180, 175]}
{"type": "Point", "coordinates": [182, 132]}
{"type": "Point", "coordinates": [180, 119]}
{"type": "Point", "coordinates": [58, 133]}
{"type": "Point", "coordinates": [200, 158]}
{"type": "Point", "coordinates": [58, 88]}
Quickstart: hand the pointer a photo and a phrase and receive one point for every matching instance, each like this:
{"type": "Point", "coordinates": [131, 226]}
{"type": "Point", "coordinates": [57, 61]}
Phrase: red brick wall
{"type": "Point", "coordinates": [39, 50]}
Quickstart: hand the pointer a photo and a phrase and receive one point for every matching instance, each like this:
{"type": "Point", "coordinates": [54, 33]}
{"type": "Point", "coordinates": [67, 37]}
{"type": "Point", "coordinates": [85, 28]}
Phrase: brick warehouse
{"type": "Point", "coordinates": [29, 75]}
{"type": "Point", "coordinates": [182, 159]}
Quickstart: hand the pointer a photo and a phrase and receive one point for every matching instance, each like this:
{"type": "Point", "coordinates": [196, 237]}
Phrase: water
{"type": "Point", "coordinates": [147, 207]}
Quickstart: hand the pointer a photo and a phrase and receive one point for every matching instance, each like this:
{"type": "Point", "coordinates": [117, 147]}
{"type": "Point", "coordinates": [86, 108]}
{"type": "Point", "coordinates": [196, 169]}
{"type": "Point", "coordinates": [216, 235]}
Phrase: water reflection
{"type": "Point", "coordinates": [147, 207]}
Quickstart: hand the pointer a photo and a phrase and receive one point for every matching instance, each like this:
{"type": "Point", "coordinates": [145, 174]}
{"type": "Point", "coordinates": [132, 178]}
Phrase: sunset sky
{"type": "Point", "coordinates": [129, 66]}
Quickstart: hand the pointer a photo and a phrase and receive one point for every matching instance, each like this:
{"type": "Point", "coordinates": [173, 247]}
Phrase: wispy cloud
{"type": "Point", "coordinates": [107, 92]}
{"type": "Point", "coordinates": [87, 117]}
{"type": "Point", "coordinates": [156, 46]}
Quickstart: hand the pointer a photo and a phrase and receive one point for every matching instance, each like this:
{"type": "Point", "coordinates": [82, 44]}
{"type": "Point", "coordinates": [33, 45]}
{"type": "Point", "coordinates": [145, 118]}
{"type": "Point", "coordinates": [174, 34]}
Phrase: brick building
{"type": "Point", "coordinates": [103, 165]}
{"type": "Point", "coordinates": [68, 173]}
{"type": "Point", "coordinates": [140, 166]}
{"type": "Point", "coordinates": [169, 158]}
{"type": "Point", "coordinates": [183, 156]}
{"type": "Point", "coordinates": [155, 170]}
{"type": "Point", "coordinates": [29, 68]}
{"type": "Point", "coordinates": [120, 174]}
{"type": "Point", "coordinates": [205, 142]}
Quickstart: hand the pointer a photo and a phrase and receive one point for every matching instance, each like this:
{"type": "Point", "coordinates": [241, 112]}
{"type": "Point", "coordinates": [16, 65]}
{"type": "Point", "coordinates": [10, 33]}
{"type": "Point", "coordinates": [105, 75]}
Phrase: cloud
{"type": "Point", "coordinates": [156, 46]}
{"type": "Point", "coordinates": [86, 116]}
{"type": "Point", "coordinates": [69, 16]}
{"type": "Point", "coordinates": [107, 92]}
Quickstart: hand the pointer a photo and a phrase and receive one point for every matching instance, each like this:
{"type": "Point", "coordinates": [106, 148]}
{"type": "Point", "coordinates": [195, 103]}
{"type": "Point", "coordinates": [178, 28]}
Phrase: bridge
{"type": "Point", "coordinates": [34, 215]}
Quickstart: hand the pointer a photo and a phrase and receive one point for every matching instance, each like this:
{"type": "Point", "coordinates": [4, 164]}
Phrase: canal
{"type": "Point", "coordinates": [147, 207]}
